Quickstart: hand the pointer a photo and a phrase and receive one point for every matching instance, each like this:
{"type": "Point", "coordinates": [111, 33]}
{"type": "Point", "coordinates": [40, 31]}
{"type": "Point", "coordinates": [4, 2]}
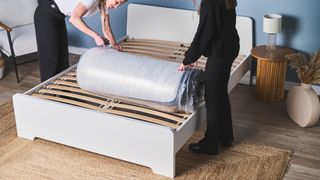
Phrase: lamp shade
{"type": "Point", "coordinates": [272, 23]}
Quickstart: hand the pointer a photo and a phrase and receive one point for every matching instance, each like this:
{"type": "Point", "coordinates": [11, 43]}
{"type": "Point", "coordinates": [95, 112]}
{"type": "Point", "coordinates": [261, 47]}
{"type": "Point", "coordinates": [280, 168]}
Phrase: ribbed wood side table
{"type": "Point", "coordinates": [271, 72]}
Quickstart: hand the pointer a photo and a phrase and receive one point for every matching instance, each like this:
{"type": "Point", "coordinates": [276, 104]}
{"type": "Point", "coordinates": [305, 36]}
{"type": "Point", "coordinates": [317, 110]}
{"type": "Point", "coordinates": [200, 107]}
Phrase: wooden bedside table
{"type": "Point", "coordinates": [271, 72]}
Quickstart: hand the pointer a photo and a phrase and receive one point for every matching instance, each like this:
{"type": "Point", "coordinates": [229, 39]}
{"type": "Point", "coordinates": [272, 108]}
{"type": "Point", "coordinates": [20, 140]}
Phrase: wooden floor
{"type": "Point", "coordinates": [254, 122]}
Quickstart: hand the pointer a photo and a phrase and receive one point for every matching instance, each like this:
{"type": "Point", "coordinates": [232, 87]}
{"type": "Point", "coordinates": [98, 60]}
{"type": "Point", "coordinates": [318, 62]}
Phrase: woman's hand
{"type": "Point", "coordinates": [116, 47]}
{"type": "Point", "coordinates": [99, 41]}
{"type": "Point", "coordinates": [183, 67]}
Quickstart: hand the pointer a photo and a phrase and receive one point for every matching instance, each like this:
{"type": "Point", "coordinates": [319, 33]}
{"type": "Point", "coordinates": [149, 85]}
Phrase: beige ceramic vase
{"type": "Point", "coordinates": [303, 105]}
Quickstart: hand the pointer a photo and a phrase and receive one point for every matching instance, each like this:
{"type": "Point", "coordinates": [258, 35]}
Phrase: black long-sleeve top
{"type": "Point", "coordinates": [216, 35]}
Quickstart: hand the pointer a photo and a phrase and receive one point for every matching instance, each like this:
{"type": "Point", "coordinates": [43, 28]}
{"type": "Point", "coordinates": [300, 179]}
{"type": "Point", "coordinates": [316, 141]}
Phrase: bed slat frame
{"type": "Point", "coordinates": [66, 89]}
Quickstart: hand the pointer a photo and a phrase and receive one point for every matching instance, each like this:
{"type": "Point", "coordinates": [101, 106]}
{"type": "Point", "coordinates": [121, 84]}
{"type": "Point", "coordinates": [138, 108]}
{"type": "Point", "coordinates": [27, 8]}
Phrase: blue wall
{"type": "Point", "coordinates": [301, 27]}
{"type": "Point", "coordinates": [118, 20]}
{"type": "Point", "coordinates": [300, 30]}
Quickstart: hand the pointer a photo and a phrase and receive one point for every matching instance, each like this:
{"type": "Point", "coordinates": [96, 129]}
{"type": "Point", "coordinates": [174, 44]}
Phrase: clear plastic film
{"type": "Point", "coordinates": [191, 91]}
{"type": "Point", "coordinates": [140, 80]}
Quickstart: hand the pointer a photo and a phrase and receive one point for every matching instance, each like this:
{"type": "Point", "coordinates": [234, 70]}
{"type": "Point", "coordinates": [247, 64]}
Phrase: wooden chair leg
{"type": "Point", "coordinates": [13, 58]}
{"type": "Point", "coordinates": [251, 73]}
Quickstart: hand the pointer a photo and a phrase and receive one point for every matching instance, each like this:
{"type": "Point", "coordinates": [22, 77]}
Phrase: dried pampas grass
{"type": "Point", "coordinates": [308, 70]}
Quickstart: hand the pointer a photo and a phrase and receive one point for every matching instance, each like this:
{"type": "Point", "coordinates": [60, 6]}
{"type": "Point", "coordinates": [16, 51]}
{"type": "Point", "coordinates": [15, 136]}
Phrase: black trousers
{"type": "Point", "coordinates": [219, 120]}
{"type": "Point", "coordinates": [52, 39]}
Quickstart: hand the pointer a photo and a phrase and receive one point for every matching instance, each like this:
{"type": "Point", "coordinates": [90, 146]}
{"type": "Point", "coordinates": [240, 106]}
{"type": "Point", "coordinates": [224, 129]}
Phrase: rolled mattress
{"type": "Point", "coordinates": [140, 80]}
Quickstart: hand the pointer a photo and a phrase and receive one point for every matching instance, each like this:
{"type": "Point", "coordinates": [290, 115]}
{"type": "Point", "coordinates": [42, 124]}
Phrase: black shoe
{"type": "Point", "coordinates": [226, 144]}
{"type": "Point", "coordinates": [203, 148]}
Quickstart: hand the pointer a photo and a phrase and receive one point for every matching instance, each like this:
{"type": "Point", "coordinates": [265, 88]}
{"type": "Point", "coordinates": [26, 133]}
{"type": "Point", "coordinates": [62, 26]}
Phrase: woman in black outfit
{"type": "Point", "coordinates": [51, 32]}
{"type": "Point", "coordinates": [217, 39]}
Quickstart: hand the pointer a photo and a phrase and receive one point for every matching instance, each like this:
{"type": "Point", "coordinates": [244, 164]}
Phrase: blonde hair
{"type": "Point", "coordinates": [102, 9]}
{"type": "Point", "coordinates": [102, 6]}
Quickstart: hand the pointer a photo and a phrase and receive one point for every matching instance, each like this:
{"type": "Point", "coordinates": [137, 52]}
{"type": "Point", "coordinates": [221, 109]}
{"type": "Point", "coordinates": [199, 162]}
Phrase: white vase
{"type": "Point", "coordinates": [303, 105]}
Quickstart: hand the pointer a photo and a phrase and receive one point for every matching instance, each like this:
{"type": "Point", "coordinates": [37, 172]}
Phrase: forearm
{"type": "Point", "coordinates": [106, 28]}
{"type": "Point", "coordinates": [109, 35]}
{"type": "Point", "coordinates": [81, 25]}
{"type": "Point", "coordinates": [202, 39]}
{"type": "Point", "coordinates": [192, 55]}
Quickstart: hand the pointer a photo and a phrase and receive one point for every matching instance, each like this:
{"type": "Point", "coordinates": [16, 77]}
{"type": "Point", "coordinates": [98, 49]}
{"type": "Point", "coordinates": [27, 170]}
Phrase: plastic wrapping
{"type": "Point", "coordinates": [191, 92]}
{"type": "Point", "coordinates": [140, 80]}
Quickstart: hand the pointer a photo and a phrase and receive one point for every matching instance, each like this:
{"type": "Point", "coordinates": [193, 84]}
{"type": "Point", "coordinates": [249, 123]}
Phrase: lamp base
{"type": "Point", "coordinates": [271, 41]}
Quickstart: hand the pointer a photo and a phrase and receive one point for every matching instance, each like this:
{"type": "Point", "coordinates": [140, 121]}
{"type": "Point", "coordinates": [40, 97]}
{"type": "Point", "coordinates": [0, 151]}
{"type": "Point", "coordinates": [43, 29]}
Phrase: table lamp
{"type": "Point", "coordinates": [271, 26]}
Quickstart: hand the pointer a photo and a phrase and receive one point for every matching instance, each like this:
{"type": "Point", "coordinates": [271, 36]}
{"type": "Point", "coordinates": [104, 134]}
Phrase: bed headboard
{"type": "Point", "coordinates": [169, 24]}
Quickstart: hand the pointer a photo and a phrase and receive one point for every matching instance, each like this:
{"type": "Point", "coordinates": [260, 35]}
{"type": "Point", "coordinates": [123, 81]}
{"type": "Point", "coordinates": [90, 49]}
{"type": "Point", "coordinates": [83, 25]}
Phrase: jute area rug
{"type": "Point", "coordinates": [40, 159]}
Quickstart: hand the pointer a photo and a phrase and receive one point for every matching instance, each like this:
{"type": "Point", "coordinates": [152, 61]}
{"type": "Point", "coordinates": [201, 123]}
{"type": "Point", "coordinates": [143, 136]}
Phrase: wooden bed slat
{"type": "Point", "coordinates": [149, 111]}
{"type": "Point", "coordinates": [145, 118]}
{"type": "Point", "coordinates": [166, 53]}
{"type": "Point", "coordinates": [159, 42]}
{"type": "Point", "coordinates": [160, 46]}
{"type": "Point", "coordinates": [116, 112]}
{"type": "Point", "coordinates": [68, 88]}
{"type": "Point", "coordinates": [73, 95]}
{"type": "Point", "coordinates": [71, 84]}
{"type": "Point", "coordinates": [108, 103]}
{"type": "Point", "coordinates": [178, 60]}
{"type": "Point", "coordinates": [69, 78]}
{"type": "Point", "coordinates": [68, 101]}
{"type": "Point", "coordinates": [150, 52]}
{"type": "Point", "coordinates": [142, 51]}
{"type": "Point", "coordinates": [73, 73]}
{"type": "Point", "coordinates": [152, 49]}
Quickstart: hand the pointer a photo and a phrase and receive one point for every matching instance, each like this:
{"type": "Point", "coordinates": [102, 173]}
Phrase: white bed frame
{"type": "Point", "coordinates": [128, 139]}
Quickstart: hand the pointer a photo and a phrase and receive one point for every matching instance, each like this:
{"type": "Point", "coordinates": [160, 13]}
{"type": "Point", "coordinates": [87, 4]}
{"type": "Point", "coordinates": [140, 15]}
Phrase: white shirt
{"type": "Point", "coordinates": [67, 6]}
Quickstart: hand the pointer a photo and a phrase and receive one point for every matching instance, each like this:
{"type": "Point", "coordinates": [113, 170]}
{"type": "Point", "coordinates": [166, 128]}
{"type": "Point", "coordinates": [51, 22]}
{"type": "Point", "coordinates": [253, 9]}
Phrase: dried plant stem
{"type": "Point", "coordinates": [308, 70]}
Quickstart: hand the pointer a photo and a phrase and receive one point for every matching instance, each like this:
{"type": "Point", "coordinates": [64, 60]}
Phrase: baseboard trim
{"type": "Point", "coordinates": [288, 84]}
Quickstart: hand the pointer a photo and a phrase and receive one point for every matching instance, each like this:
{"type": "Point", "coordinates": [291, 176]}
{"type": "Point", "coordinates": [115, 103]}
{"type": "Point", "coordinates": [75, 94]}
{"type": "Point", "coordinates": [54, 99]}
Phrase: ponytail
{"type": "Point", "coordinates": [102, 7]}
